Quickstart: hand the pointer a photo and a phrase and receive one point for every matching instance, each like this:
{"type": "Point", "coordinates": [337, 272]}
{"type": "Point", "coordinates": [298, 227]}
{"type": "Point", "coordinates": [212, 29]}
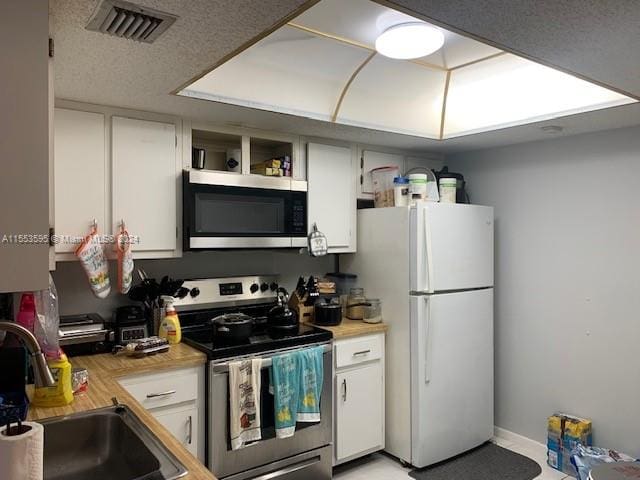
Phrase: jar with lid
{"type": "Point", "coordinates": [418, 186]}
{"type": "Point", "coordinates": [355, 304]}
{"type": "Point", "coordinates": [448, 188]}
{"type": "Point", "coordinates": [401, 191]}
{"type": "Point", "coordinates": [372, 311]}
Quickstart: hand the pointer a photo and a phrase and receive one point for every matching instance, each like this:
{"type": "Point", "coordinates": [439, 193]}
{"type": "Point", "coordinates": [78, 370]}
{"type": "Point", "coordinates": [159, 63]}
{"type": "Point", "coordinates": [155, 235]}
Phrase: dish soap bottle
{"type": "Point", "coordinates": [170, 325]}
{"type": "Point", "coordinates": [61, 393]}
{"type": "Point", "coordinates": [27, 315]}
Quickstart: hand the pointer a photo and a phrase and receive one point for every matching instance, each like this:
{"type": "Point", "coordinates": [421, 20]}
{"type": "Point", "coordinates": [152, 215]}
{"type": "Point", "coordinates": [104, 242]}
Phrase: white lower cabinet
{"type": "Point", "coordinates": [176, 400]}
{"type": "Point", "coordinates": [358, 397]}
{"type": "Point", "coordinates": [182, 422]}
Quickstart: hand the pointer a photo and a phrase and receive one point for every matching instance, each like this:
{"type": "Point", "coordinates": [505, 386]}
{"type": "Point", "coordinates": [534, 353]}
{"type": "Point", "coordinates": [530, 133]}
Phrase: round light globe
{"type": "Point", "coordinates": [409, 40]}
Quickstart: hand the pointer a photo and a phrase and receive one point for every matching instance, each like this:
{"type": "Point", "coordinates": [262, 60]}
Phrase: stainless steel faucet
{"type": "Point", "coordinates": [42, 374]}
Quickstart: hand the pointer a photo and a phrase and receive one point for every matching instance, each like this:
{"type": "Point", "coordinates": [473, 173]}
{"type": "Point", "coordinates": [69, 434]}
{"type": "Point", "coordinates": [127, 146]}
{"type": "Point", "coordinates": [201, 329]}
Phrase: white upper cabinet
{"type": "Point", "coordinates": [80, 175]}
{"type": "Point", "coordinates": [370, 160]}
{"type": "Point", "coordinates": [144, 184]}
{"type": "Point", "coordinates": [332, 195]}
{"type": "Point", "coordinates": [25, 98]}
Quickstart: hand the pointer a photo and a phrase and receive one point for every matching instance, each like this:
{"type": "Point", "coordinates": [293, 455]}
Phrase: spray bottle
{"type": "Point", "coordinates": [170, 325]}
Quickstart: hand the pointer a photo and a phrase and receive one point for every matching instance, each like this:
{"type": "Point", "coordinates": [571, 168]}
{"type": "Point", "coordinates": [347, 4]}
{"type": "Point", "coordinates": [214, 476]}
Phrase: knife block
{"type": "Point", "coordinates": [305, 313]}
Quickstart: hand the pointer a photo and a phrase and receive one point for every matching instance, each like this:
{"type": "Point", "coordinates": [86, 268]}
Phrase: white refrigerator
{"type": "Point", "coordinates": [432, 267]}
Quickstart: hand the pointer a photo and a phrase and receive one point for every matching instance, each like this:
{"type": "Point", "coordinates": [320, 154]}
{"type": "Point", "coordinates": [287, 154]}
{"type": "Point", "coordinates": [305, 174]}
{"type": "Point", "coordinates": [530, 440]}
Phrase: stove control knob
{"type": "Point", "coordinates": [254, 288]}
{"type": "Point", "coordinates": [264, 287]}
{"type": "Point", "coordinates": [195, 291]}
{"type": "Point", "coordinates": [273, 286]}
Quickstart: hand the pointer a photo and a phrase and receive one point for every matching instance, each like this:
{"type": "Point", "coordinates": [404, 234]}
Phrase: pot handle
{"type": "Point", "coordinates": [223, 329]}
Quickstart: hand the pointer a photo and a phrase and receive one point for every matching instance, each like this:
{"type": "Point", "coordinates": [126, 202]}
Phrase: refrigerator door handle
{"type": "Point", "coordinates": [427, 343]}
{"type": "Point", "coordinates": [428, 254]}
{"type": "Point", "coordinates": [420, 261]}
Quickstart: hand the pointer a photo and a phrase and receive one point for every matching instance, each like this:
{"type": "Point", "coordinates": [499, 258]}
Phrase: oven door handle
{"type": "Point", "coordinates": [288, 470]}
{"type": "Point", "coordinates": [266, 361]}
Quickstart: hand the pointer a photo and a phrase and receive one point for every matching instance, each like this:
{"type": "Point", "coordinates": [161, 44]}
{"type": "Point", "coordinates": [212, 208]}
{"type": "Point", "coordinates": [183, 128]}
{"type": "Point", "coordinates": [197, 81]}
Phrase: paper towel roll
{"type": "Point", "coordinates": [21, 455]}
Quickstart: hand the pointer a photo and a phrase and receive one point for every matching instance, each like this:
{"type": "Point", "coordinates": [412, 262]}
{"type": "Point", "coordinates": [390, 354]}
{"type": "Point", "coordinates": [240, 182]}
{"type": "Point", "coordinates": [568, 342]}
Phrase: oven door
{"type": "Point", "coordinates": [250, 214]}
{"type": "Point", "coordinates": [264, 455]}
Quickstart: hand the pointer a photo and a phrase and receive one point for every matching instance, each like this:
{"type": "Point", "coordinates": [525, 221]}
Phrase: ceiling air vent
{"type": "Point", "coordinates": [127, 20]}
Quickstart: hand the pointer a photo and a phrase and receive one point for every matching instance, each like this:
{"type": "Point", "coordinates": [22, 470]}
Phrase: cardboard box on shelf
{"type": "Point", "coordinates": [275, 167]}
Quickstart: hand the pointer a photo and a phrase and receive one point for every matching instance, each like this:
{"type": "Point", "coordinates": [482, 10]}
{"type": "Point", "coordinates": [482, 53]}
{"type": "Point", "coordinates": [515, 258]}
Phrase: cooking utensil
{"type": "Point", "coordinates": [327, 311]}
{"type": "Point", "coordinates": [236, 327]}
{"type": "Point", "coordinates": [281, 315]}
{"type": "Point", "coordinates": [312, 291]}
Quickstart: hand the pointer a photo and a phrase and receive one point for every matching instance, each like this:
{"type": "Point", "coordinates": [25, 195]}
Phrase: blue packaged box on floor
{"type": "Point", "coordinates": [565, 432]}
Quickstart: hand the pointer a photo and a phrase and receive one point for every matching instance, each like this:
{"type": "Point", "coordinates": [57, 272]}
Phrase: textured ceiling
{"type": "Point", "coordinates": [596, 39]}
{"type": "Point", "coordinates": [96, 68]}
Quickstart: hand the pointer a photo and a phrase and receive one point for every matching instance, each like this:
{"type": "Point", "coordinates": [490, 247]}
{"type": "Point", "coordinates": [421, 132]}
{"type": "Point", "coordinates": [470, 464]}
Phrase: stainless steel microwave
{"type": "Point", "coordinates": [228, 210]}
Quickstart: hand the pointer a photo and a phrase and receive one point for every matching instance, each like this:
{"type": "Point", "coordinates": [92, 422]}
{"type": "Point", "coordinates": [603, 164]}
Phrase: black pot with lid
{"type": "Point", "coordinates": [327, 311]}
{"type": "Point", "coordinates": [236, 327]}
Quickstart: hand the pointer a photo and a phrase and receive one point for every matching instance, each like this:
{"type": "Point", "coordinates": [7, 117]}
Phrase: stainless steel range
{"type": "Point", "coordinates": [305, 455]}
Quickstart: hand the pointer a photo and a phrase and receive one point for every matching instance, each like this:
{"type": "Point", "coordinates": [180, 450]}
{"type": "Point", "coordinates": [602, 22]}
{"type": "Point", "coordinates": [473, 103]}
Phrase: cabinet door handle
{"type": "Point", "coordinates": [344, 390]}
{"type": "Point", "coordinates": [363, 352]}
{"type": "Point", "coordinates": [161, 394]}
{"type": "Point", "coordinates": [190, 434]}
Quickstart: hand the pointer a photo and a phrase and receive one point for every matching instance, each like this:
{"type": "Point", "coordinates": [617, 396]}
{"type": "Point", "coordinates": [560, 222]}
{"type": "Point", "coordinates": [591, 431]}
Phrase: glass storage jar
{"type": "Point", "coordinates": [372, 311]}
{"type": "Point", "coordinates": [355, 304]}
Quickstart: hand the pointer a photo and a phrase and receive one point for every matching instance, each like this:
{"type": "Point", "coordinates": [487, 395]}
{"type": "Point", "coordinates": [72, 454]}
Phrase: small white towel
{"type": "Point", "coordinates": [244, 402]}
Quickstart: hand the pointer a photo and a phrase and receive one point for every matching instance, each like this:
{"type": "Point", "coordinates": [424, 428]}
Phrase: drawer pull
{"type": "Point", "coordinates": [161, 394]}
{"type": "Point", "coordinates": [363, 352]}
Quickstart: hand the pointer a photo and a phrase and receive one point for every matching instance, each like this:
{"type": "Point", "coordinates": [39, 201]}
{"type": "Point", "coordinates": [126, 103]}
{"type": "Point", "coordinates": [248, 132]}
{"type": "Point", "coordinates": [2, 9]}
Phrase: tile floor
{"type": "Point", "coordinates": [382, 467]}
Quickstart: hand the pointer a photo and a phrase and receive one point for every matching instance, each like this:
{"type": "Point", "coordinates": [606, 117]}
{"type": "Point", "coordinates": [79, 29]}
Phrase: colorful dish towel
{"type": "Point", "coordinates": [285, 380]}
{"type": "Point", "coordinates": [244, 402]}
{"type": "Point", "coordinates": [311, 374]}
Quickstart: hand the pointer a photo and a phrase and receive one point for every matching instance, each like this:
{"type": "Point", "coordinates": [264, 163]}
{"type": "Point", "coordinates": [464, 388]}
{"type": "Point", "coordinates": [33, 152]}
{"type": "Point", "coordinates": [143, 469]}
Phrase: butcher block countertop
{"type": "Point", "coordinates": [353, 328]}
{"type": "Point", "coordinates": [104, 371]}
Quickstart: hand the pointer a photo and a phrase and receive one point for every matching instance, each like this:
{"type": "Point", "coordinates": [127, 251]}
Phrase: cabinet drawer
{"type": "Point", "coordinates": [162, 389]}
{"type": "Point", "coordinates": [358, 350]}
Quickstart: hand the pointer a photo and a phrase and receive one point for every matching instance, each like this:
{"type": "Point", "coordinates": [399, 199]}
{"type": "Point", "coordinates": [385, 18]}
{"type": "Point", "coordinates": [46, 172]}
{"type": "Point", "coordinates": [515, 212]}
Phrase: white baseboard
{"type": "Point", "coordinates": [519, 439]}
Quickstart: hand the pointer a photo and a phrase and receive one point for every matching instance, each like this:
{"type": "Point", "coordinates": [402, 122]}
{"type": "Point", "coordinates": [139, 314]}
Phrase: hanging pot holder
{"type": "Point", "coordinates": [94, 262]}
{"type": "Point", "coordinates": [125, 260]}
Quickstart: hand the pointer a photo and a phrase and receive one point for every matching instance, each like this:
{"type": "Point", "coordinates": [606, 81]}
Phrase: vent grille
{"type": "Point", "coordinates": [127, 20]}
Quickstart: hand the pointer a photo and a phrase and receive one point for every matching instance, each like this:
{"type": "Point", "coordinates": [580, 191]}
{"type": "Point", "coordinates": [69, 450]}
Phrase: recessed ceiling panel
{"type": "Point", "coordinates": [323, 65]}
{"type": "Point", "coordinates": [396, 96]}
{"type": "Point", "coordinates": [361, 21]}
{"type": "Point", "coordinates": [508, 90]}
{"type": "Point", "coordinates": [289, 71]}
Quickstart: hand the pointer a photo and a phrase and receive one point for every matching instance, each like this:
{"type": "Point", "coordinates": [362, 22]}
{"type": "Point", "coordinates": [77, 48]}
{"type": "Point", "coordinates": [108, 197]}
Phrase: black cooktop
{"type": "Point", "coordinates": [263, 340]}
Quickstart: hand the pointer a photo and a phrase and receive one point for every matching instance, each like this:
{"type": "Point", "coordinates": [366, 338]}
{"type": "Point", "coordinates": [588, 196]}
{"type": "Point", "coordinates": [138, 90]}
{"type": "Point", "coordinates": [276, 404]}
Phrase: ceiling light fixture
{"type": "Point", "coordinates": [409, 40]}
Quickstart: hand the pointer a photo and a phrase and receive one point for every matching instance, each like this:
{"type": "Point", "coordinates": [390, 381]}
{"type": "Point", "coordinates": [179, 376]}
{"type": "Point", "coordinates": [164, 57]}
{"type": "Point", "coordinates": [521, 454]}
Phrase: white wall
{"type": "Point", "coordinates": [567, 303]}
{"type": "Point", "coordinates": [76, 297]}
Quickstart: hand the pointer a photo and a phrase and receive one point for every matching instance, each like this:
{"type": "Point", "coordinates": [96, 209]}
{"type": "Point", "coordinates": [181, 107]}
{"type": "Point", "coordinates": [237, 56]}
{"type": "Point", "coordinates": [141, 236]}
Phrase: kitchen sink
{"type": "Point", "coordinates": [105, 444]}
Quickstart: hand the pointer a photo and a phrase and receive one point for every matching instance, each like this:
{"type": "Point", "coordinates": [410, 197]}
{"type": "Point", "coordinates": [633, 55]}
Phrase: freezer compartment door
{"type": "Point", "coordinates": [451, 247]}
{"type": "Point", "coordinates": [451, 374]}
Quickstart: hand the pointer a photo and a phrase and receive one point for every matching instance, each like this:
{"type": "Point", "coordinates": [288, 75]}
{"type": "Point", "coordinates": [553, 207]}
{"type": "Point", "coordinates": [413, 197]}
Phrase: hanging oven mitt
{"type": "Point", "coordinates": [125, 260]}
{"type": "Point", "coordinates": [94, 262]}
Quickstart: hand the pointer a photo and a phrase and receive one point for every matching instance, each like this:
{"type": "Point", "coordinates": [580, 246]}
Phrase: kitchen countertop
{"type": "Point", "coordinates": [104, 371]}
{"type": "Point", "coordinates": [352, 328]}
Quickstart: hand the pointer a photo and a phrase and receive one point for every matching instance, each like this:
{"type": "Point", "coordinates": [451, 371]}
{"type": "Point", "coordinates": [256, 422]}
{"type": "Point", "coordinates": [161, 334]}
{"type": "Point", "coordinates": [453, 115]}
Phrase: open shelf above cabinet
{"type": "Point", "coordinates": [219, 150]}
{"type": "Point", "coordinates": [271, 157]}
